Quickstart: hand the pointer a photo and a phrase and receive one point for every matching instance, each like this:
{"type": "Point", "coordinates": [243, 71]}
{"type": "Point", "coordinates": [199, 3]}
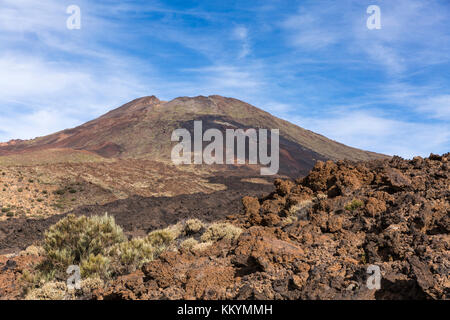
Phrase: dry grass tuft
{"type": "Point", "coordinates": [193, 226]}
{"type": "Point", "coordinates": [219, 231]}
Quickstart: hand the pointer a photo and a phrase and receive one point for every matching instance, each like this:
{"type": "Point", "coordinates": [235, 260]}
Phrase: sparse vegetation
{"type": "Point", "coordinates": [132, 254]}
{"type": "Point", "coordinates": [162, 239]}
{"type": "Point", "coordinates": [79, 241]}
{"type": "Point", "coordinates": [353, 205]}
{"type": "Point", "coordinates": [193, 226]}
{"type": "Point", "coordinates": [188, 244]}
{"type": "Point", "coordinates": [219, 231]}
{"type": "Point", "coordinates": [99, 247]}
{"type": "Point", "coordinates": [52, 290]}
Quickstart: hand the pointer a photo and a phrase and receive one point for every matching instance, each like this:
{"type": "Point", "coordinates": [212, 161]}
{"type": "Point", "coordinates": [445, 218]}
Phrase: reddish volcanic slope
{"type": "Point", "coordinates": [141, 129]}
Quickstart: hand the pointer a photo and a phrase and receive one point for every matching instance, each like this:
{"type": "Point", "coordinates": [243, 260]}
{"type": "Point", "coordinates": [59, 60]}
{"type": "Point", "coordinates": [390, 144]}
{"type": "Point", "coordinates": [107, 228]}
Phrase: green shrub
{"type": "Point", "coordinates": [218, 231]}
{"type": "Point", "coordinates": [131, 255]}
{"type": "Point", "coordinates": [353, 205]}
{"type": "Point", "coordinates": [96, 266]}
{"type": "Point", "coordinates": [73, 240]}
{"type": "Point", "coordinates": [4, 209]}
{"type": "Point", "coordinates": [10, 214]}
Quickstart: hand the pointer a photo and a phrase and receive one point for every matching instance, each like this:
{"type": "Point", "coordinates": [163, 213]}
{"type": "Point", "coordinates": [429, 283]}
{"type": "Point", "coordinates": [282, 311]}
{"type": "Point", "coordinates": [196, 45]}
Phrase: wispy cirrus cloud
{"type": "Point", "coordinates": [372, 131]}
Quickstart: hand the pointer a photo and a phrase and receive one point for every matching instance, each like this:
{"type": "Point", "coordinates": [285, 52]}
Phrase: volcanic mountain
{"type": "Point", "coordinates": [142, 128]}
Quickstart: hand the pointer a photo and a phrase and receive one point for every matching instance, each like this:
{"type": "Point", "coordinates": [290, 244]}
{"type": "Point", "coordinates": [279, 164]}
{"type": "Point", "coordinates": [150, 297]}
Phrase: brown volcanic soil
{"type": "Point", "coordinates": [139, 215]}
{"type": "Point", "coordinates": [401, 224]}
{"type": "Point", "coordinates": [309, 239]}
{"type": "Point", "coordinates": [40, 191]}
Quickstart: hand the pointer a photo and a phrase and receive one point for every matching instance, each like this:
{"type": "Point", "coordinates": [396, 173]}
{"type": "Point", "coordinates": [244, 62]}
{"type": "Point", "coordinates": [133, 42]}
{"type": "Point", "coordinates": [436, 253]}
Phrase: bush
{"type": "Point", "coordinates": [90, 284]}
{"type": "Point", "coordinates": [353, 205]}
{"type": "Point", "coordinates": [57, 290]}
{"type": "Point", "coordinates": [96, 266]}
{"type": "Point", "coordinates": [52, 290]}
{"type": "Point", "coordinates": [99, 247]}
{"type": "Point", "coordinates": [193, 226]}
{"type": "Point", "coordinates": [202, 246]}
{"type": "Point", "coordinates": [164, 237]}
{"type": "Point", "coordinates": [188, 244]}
{"type": "Point", "coordinates": [73, 240]}
{"type": "Point", "coordinates": [218, 231]}
{"type": "Point", "coordinates": [33, 251]}
{"type": "Point", "coordinates": [131, 255]}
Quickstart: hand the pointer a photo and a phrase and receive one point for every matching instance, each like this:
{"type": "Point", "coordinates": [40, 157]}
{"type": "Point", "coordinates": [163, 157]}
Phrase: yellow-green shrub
{"type": "Point", "coordinates": [50, 291]}
{"type": "Point", "coordinates": [188, 244]}
{"type": "Point", "coordinates": [131, 255]}
{"type": "Point", "coordinates": [192, 226]}
{"type": "Point", "coordinates": [353, 205]}
{"type": "Point", "coordinates": [96, 265]}
{"type": "Point", "coordinates": [162, 239]}
{"type": "Point", "coordinates": [74, 240]}
{"type": "Point", "coordinates": [218, 231]}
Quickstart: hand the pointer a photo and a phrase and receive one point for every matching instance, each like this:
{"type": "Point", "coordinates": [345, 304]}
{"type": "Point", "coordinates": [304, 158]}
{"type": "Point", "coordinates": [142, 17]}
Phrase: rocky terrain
{"type": "Point", "coordinates": [310, 238]}
{"type": "Point", "coordinates": [126, 153]}
{"type": "Point", "coordinates": [106, 197]}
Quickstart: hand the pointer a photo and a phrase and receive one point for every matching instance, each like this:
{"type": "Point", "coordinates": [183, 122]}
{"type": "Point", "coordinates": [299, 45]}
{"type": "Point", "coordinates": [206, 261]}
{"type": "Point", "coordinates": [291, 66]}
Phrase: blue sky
{"type": "Point", "coordinates": [314, 63]}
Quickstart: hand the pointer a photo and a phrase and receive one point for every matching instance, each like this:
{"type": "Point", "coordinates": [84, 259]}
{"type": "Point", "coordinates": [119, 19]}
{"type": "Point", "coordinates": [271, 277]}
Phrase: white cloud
{"type": "Point", "coordinates": [309, 32]}
{"type": "Point", "coordinates": [51, 78]}
{"type": "Point", "coordinates": [436, 107]}
{"type": "Point", "coordinates": [225, 77]}
{"type": "Point", "coordinates": [35, 123]}
{"type": "Point", "coordinates": [241, 33]}
{"type": "Point", "coordinates": [369, 131]}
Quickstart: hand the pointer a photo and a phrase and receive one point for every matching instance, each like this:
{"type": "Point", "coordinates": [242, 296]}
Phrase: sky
{"type": "Point", "coordinates": [314, 63]}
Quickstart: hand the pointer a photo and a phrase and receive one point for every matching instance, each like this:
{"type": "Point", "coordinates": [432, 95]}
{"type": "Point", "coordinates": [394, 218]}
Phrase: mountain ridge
{"type": "Point", "coordinates": [142, 127]}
